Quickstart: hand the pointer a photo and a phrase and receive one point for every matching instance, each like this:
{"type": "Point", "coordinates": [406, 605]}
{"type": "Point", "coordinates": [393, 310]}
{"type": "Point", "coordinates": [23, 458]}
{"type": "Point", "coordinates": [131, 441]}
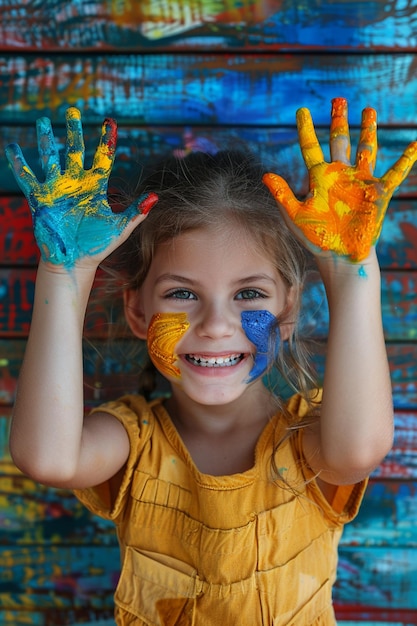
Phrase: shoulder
{"type": "Point", "coordinates": [136, 416]}
{"type": "Point", "coordinates": [133, 411]}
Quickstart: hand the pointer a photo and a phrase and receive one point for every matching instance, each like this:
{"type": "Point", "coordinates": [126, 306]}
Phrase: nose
{"type": "Point", "coordinates": [216, 320]}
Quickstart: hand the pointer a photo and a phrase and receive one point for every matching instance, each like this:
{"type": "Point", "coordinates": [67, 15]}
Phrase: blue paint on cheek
{"type": "Point", "coordinates": [258, 327]}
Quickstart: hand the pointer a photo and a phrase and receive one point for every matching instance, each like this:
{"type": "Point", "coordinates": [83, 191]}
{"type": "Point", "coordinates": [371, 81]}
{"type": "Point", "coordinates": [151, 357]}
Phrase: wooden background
{"type": "Point", "coordinates": [222, 73]}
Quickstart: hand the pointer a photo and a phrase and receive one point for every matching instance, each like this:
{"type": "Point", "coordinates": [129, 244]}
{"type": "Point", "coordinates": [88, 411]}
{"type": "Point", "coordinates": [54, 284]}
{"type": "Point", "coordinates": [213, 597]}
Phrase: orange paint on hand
{"type": "Point", "coordinates": [309, 145]}
{"type": "Point", "coordinates": [339, 117]}
{"type": "Point", "coordinates": [342, 214]}
{"type": "Point", "coordinates": [353, 218]}
{"type": "Point", "coordinates": [339, 128]}
{"type": "Point", "coordinates": [164, 332]}
{"type": "Point", "coordinates": [346, 204]}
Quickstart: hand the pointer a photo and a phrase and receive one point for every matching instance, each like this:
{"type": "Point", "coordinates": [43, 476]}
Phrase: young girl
{"type": "Point", "coordinates": [228, 502]}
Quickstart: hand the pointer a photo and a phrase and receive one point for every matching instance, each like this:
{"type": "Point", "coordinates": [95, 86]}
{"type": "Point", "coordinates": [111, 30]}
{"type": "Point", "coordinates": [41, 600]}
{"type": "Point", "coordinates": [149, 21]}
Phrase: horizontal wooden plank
{"type": "Point", "coordinates": [249, 89]}
{"type": "Point", "coordinates": [65, 577]}
{"type": "Point", "coordinates": [37, 618]}
{"type": "Point", "coordinates": [51, 577]}
{"type": "Point", "coordinates": [402, 359]}
{"type": "Point", "coordinates": [6, 464]}
{"type": "Point", "coordinates": [399, 306]}
{"type": "Point", "coordinates": [387, 516]}
{"type": "Point", "coordinates": [140, 149]}
{"type": "Point", "coordinates": [370, 578]}
{"type": "Point", "coordinates": [375, 617]}
{"type": "Point", "coordinates": [401, 461]}
{"type": "Point", "coordinates": [112, 369]}
{"type": "Point", "coordinates": [16, 300]}
{"type": "Point", "coordinates": [276, 25]}
{"type": "Point", "coordinates": [32, 514]}
{"type": "Point", "coordinates": [56, 617]}
{"type": "Point", "coordinates": [58, 577]}
{"type": "Point", "coordinates": [17, 243]}
{"type": "Point", "coordinates": [396, 248]}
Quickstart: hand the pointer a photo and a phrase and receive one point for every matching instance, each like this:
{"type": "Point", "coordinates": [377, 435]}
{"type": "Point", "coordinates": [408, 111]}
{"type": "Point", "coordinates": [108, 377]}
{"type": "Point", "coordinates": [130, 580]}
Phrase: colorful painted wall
{"type": "Point", "coordinates": [222, 74]}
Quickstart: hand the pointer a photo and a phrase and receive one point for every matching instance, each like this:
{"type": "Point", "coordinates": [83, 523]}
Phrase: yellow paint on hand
{"type": "Point", "coordinates": [346, 204]}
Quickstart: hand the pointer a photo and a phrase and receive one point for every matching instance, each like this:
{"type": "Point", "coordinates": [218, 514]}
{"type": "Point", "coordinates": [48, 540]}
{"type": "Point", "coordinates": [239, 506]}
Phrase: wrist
{"type": "Point", "coordinates": [332, 265]}
{"type": "Point", "coordinates": [73, 271]}
{"type": "Point", "coordinates": [346, 281]}
{"type": "Point", "coordinates": [75, 279]}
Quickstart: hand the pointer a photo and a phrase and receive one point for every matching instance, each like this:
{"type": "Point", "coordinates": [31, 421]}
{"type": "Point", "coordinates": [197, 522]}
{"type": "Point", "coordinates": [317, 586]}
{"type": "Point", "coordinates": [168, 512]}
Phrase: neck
{"type": "Point", "coordinates": [222, 439]}
{"type": "Point", "coordinates": [254, 407]}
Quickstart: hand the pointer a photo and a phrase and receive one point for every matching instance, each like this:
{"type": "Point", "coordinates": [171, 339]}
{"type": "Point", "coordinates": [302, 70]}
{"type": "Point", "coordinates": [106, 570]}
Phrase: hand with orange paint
{"type": "Point", "coordinates": [345, 207]}
{"type": "Point", "coordinates": [72, 218]}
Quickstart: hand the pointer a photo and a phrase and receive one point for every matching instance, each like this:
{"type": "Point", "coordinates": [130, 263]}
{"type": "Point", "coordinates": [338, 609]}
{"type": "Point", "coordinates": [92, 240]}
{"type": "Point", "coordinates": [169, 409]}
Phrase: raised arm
{"type": "Point", "coordinates": [339, 222]}
{"type": "Point", "coordinates": [75, 230]}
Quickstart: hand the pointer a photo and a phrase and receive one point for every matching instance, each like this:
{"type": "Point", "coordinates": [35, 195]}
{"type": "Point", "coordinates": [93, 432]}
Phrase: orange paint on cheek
{"type": "Point", "coordinates": [164, 332]}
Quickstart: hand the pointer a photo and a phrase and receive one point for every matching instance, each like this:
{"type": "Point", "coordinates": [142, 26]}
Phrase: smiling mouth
{"type": "Point", "coordinates": [214, 361]}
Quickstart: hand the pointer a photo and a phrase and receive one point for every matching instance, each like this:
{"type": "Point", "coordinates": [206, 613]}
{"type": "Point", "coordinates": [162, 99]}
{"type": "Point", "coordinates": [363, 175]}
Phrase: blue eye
{"type": "Point", "coordinates": [249, 294]}
{"type": "Point", "coordinates": [181, 294]}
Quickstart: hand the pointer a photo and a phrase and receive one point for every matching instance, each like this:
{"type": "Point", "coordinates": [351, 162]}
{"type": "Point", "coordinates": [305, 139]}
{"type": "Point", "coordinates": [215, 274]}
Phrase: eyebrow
{"type": "Point", "coordinates": [189, 281]}
{"type": "Point", "coordinates": [174, 278]}
{"type": "Point", "coordinates": [256, 278]}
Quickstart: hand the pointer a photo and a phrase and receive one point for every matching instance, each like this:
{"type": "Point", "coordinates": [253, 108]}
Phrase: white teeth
{"type": "Point", "coordinates": [219, 361]}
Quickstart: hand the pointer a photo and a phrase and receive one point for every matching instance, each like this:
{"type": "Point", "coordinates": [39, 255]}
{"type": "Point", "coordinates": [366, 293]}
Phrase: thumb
{"type": "Point", "coordinates": [282, 193]}
{"type": "Point", "coordinates": [141, 206]}
{"type": "Point", "coordinates": [135, 213]}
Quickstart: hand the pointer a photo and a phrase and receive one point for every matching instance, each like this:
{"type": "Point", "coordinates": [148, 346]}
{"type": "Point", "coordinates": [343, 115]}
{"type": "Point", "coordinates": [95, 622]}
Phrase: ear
{"type": "Point", "coordinates": [288, 316]}
{"type": "Point", "coordinates": [134, 313]}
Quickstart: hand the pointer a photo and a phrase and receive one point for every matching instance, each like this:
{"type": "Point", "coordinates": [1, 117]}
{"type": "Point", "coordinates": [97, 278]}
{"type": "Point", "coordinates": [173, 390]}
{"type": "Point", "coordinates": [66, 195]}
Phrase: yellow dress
{"type": "Point", "coordinates": [201, 550]}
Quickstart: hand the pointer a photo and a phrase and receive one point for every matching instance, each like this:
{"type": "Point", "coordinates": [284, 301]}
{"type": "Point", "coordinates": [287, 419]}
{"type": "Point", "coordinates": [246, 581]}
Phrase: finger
{"type": "Point", "coordinates": [130, 219]}
{"type": "Point", "coordinates": [339, 131]}
{"type": "Point", "coordinates": [310, 147]}
{"type": "Point", "coordinates": [25, 177]}
{"type": "Point", "coordinates": [367, 147]}
{"type": "Point", "coordinates": [282, 194]}
{"type": "Point", "coordinates": [141, 206]}
{"type": "Point", "coordinates": [105, 153]}
{"type": "Point", "coordinates": [48, 152]}
{"type": "Point", "coordinates": [400, 170]}
{"type": "Point", "coordinates": [75, 142]}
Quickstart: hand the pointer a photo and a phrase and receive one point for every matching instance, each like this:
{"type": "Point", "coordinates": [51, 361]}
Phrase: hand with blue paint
{"type": "Point", "coordinates": [346, 204]}
{"type": "Point", "coordinates": [72, 218]}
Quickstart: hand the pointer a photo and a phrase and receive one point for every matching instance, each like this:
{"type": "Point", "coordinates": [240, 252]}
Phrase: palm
{"type": "Point", "coordinates": [72, 218]}
{"type": "Point", "coordinates": [346, 204]}
{"type": "Point", "coordinates": [344, 210]}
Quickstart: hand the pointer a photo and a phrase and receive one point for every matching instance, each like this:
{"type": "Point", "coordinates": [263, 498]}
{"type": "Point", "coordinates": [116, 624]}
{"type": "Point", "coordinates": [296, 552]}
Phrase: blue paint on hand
{"type": "Point", "coordinates": [71, 215]}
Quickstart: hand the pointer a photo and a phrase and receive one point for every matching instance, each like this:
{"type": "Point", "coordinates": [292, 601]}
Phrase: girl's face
{"type": "Point", "coordinates": [190, 307]}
